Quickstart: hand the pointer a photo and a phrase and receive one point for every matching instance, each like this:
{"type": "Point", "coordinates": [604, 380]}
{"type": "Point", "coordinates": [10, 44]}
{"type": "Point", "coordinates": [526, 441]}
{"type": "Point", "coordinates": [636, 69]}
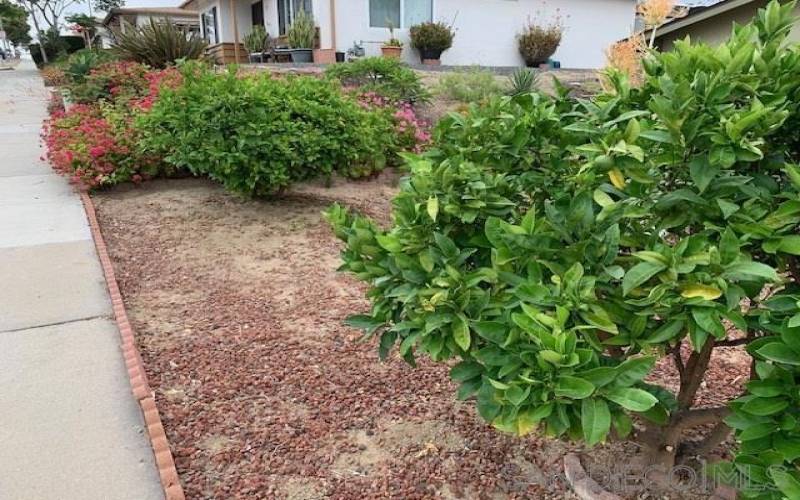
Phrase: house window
{"type": "Point", "coordinates": [385, 13]}
{"type": "Point", "coordinates": [288, 9]}
{"type": "Point", "coordinates": [209, 23]}
{"type": "Point", "coordinates": [257, 13]}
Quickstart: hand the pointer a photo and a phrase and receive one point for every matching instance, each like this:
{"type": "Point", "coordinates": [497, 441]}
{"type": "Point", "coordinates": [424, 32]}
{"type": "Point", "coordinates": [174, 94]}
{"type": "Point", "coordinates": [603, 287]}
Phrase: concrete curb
{"type": "Point", "coordinates": [133, 362]}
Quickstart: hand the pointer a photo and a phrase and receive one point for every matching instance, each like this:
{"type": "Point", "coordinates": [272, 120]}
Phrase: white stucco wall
{"type": "Point", "coordinates": [486, 29]}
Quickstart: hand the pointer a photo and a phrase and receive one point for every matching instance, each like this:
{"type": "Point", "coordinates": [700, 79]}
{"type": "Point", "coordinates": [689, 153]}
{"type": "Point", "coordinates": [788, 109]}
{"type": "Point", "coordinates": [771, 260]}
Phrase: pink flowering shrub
{"type": "Point", "coordinates": [95, 144]}
{"type": "Point", "coordinates": [412, 133]}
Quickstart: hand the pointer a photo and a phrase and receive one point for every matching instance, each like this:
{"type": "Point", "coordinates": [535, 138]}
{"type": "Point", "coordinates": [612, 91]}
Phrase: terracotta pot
{"type": "Point", "coordinates": [432, 62]}
{"type": "Point", "coordinates": [391, 52]}
{"type": "Point", "coordinates": [324, 56]}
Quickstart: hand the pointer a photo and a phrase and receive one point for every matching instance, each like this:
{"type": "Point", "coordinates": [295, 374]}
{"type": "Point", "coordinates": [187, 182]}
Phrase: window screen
{"type": "Point", "coordinates": [383, 13]}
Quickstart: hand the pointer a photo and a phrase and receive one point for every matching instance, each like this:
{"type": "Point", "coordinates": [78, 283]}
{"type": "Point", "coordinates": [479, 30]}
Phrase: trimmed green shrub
{"type": "Point", "coordinates": [472, 85]}
{"type": "Point", "coordinates": [387, 77]}
{"type": "Point", "coordinates": [257, 135]}
{"type": "Point", "coordinates": [559, 249]}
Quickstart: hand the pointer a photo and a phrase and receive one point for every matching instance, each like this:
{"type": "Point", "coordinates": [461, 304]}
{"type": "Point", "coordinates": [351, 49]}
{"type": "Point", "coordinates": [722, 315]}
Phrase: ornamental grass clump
{"type": "Point", "coordinates": [158, 44]}
{"type": "Point", "coordinates": [559, 249]}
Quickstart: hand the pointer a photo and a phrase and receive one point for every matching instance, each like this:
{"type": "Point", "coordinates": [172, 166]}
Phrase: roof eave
{"type": "Point", "coordinates": [702, 15]}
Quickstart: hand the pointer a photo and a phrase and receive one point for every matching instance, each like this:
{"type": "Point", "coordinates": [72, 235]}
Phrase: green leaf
{"type": "Point", "coordinates": [666, 332]}
{"type": "Point", "coordinates": [756, 431]}
{"type": "Point", "coordinates": [708, 319]}
{"type": "Point", "coordinates": [749, 271]}
{"type": "Point", "coordinates": [702, 172]}
{"type": "Point", "coordinates": [631, 398]}
{"type": "Point", "coordinates": [466, 370]}
{"type": "Point", "coordinates": [595, 420]}
{"type": "Point", "coordinates": [639, 274]}
{"type": "Point", "coordinates": [600, 376]}
{"type": "Point", "coordinates": [765, 406]}
{"type": "Point", "coordinates": [573, 387]}
{"type": "Point", "coordinates": [389, 243]}
{"type": "Point", "coordinates": [786, 482]}
{"type": "Point", "coordinates": [787, 446]}
{"type": "Point", "coordinates": [461, 333]}
{"type": "Point", "coordinates": [779, 352]}
{"type": "Point", "coordinates": [633, 370]}
{"type": "Point", "coordinates": [492, 331]}
{"type": "Point", "coordinates": [790, 245]}
{"type": "Point", "coordinates": [728, 246]}
{"type": "Point", "coordinates": [727, 207]}
{"type": "Point", "coordinates": [446, 245]}
{"type": "Point", "coordinates": [364, 322]}
{"type": "Point", "coordinates": [623, 425]}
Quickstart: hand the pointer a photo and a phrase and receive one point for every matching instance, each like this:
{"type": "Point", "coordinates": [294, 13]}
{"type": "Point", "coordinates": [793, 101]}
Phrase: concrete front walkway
{"type": "Point", "coordinates": [70, 428]}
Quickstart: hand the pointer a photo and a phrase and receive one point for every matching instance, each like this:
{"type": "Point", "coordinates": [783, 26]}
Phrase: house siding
{"type": "Point", "coordinates": [717, 29]}
{"type": "Point", "coordinates": [486, 29]}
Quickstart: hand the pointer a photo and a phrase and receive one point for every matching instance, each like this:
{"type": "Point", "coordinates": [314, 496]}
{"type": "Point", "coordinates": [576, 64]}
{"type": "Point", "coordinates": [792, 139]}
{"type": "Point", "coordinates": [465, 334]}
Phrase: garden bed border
{"type": "Point", "coordinates": [165, 463]}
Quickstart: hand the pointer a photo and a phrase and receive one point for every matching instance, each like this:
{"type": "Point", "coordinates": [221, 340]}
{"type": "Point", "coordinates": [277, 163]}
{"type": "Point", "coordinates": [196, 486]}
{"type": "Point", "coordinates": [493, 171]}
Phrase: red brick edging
{"type": "Point", "coordinates": [133, 363]}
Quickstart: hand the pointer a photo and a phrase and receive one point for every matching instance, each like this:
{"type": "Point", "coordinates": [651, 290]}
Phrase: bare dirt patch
{"type": "Point", "coordinates": [264, 393]}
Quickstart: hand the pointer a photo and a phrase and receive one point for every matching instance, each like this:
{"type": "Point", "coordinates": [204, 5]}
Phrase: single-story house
{"type": "Point", "coordinates": [119, 17]}
{"type": "Point", "coordinates": [711, 21]}
{"type": "Point", "coordinates": [485, 29]}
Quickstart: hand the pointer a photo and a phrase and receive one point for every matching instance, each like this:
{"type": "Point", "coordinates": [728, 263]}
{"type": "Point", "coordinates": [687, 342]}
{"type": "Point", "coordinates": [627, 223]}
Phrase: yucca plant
{"type": "Point", "coordinates": [158, 44]}
{"type": "Point", "coordinates": [522, 81]}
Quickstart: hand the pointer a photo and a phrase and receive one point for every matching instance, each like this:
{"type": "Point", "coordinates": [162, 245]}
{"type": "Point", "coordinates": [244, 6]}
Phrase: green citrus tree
{"type": "Point", "coordinates": [558, 249]}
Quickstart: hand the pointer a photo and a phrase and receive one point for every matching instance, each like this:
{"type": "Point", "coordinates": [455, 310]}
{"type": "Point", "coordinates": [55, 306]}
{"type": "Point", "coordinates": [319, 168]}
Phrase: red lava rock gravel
{"type": "Point", "coordinates": [264, 393]}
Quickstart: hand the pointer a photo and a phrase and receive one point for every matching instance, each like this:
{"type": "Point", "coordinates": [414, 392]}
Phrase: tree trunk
{"type": "Point", "coordinates": [664, 443]}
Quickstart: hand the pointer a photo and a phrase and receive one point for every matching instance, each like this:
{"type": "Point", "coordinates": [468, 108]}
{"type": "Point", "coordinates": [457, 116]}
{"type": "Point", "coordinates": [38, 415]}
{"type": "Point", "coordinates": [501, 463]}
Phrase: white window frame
{"type": "Point", "coordinates": [402, 16]}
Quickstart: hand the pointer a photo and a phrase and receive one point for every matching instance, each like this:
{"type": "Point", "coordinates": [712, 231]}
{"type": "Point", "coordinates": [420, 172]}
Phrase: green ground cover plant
{"type": "Point", "coordinates": [384, 76]}
{"type": "Point", "coordinates": [473, 85]}
{"type": "Point", "coordinates": [558, 248]}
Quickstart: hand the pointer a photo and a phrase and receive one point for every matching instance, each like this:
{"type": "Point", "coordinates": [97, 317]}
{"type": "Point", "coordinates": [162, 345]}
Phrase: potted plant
{"type": "Point", "coordinates": [301, 37]}
{"type": "Point", "coordinates": [537, 42]}
{"type": "Point", "coordinates": [255, 43]}
{"type": "Point", "coordinates": [431, 39]}
{"type": "Point", "coordinates": [393, 47]}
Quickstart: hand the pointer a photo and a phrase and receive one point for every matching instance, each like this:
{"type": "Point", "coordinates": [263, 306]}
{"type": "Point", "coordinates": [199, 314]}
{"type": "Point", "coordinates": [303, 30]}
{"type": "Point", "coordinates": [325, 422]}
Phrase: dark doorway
{"type": "Point", "coordinates": [257, 13]}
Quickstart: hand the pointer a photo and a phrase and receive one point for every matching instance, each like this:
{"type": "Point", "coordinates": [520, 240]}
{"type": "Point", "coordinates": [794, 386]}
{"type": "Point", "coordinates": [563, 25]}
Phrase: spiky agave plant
{"type": "Point", "coordinates": [522, 81]}
{"type": "Point", "coordinates": [158, 44]}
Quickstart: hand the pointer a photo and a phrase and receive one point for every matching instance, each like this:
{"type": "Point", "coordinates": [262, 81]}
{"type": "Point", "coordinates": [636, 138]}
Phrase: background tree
{"type": "Point", "coordinates": [15, 23]}
{"type": "Point", "coordinates": [46, 16]}
{"type": "Point", "coordinates": [107, 5]}
{"type": "Point", "coordinates": [84, 24]}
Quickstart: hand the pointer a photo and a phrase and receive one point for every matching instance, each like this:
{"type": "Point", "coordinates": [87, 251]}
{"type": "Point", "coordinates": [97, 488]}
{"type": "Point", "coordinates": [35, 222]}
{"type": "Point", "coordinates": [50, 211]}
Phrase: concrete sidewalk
{"type": "Point", "coordinates": [70, 428]}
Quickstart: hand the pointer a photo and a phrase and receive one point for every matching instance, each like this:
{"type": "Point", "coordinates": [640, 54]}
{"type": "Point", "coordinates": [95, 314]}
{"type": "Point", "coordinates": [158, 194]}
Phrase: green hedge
{"type": "Point", "coordinates": [257, 135]}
